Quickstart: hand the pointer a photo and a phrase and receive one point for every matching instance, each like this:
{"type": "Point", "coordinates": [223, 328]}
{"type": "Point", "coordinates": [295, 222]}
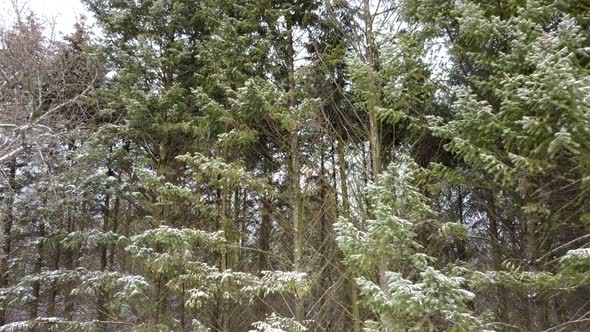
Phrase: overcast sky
{"type": "Point", "coordinates": [63, 12]}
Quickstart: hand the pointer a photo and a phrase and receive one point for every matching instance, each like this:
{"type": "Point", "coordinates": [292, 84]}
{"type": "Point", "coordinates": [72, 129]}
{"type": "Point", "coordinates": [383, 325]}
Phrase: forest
{"type": "Point", "coordinates": [296, 165]}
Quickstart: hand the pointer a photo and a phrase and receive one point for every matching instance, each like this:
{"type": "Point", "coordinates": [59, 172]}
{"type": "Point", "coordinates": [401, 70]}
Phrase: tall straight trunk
{"type": "Point", "coordinates": [239, 227]}
{"type": "Point", "coordinates": [534, 303]}
{"type": "Point", "coordinates": [232, 229]}
{"type": "Point", "coordinates": [461, 251]}
{"type": "Point", "coordinates": [374, 126]}
{"type": "Point", "coordinates": [537, 306]}
{"type": "Point", "coordinates": [296, 219]}
{"type": "Point", "coordinates": [328, 216]}
{"type": "Point", "coordinates": [114, 229]}
{"type": "Point", "coordinates": [226, 259]}
{"type": "Point", "coordinates": [182, 309]}
{"type": "Point", "coordinates": [296, 206]}
{"type": "Point", "coordinates": [101, 312]}
{"type": "Point", "coordinates": [324, 212]}
{"type": "Point", "coordinates": [36, 291]}
{"type": "Point", "coordinates": [164, 170]}
{"type": "Point", "coordinates": [353, 289]}
{"type": "Point", "coordinates": [496, 251]}
{"type": "Point", "coordinates": [69, 265]}
{"type": "Point", "coordinates": [264, 247]}
{"type": "Point", "coordinates": [501, 308]}
{"type": "Point", "coordinates": [8, 222]}
{"type": "Point", "coordinates": [53, 286]}
{"type": "Point", "coordinates": [343, 182]}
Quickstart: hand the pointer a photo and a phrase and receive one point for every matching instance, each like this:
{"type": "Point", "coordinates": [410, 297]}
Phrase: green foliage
{"type": "Point", "coordinates": [520, 126]}
{"type": "Point", "coordinates": [410, 294]}
{"type": "Point", "coordinates": [233, 141]}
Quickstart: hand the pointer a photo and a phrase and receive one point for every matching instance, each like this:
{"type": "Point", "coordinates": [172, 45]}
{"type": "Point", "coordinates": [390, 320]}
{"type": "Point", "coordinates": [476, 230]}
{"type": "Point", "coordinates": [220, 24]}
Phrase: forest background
{"type": "Point", "coordinates": [296, 165]}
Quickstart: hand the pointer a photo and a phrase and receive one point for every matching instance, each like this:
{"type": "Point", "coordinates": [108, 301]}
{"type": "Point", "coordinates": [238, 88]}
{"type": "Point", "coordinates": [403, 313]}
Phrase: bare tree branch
{"type": "Point", "coordinates": [11, 154]}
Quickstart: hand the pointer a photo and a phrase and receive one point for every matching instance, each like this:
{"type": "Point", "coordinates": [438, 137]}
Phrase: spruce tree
{"type": "Point", "coordinates": [520, 124]}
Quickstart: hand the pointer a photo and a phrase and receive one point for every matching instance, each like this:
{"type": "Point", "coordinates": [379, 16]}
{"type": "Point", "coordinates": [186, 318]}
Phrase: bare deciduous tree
{"type": "Point", "coordinates": [42, 81]}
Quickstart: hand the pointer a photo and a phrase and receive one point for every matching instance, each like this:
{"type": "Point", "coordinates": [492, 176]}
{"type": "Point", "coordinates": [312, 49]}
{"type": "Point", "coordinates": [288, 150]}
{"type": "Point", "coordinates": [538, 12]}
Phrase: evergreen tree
{"type": "Point", "coordinates": [410, 293]}
{"type": "Point", "coordinates": [297, 165]}
{"type": "Point", "coordinates": [520, 124]}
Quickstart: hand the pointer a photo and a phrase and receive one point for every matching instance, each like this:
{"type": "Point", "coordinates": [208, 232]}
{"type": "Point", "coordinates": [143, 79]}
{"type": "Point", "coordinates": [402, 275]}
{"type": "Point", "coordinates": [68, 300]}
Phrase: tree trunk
{"type": "Point", "coordinates": [501, 311]}
{"type": "Point", "coordinates": [101, 311]}
{"type": "Point", "coordinates": [226, 258]}
{"type": "Point", "coordinates": [115, 229]}
{"type": "Point", "coordinates": [36, 292]}
{"type": "Point", "coordinates": [7, 235]}
{"type": "Point", "coordinates": [374, 125]}
{"type": "Point", "coordinates": [69, 265]}
{"type": "Point", "coordinates": [296, 219]}
{"type": "Point", "coordinates": [536, 304]}
{"type": "Point", "coordinates": [182, 309]}
{"type": "Point", "coordinates": [53, 287]}
{"type": "Point", "coordinates": [295, 176]}
{"type": "Point", "coordinates": [353, 289]}
{"type": "Point", "coordinates": [324, 221]}
{"type": "Point", "coordinates": [264, 247]}
{"type": "Point", "coordinates": [373, 98]}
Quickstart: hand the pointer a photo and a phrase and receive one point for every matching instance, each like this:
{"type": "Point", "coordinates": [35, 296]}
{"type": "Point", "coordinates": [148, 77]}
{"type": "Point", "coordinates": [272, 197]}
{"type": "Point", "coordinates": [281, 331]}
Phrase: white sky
{"type": "Point", "coordinates": [62, 12]}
